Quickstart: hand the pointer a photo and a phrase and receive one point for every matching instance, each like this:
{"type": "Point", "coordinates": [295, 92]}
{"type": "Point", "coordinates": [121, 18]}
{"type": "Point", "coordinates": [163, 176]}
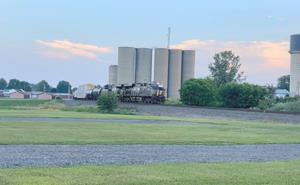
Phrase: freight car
{"type": "Point", "coordinates": [137, 92]}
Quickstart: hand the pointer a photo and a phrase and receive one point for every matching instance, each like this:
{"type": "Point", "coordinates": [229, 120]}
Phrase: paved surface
{"type": "Point", "coordinates": [91, 120]}
{"type": "Point", "coordinates": [69, 155]}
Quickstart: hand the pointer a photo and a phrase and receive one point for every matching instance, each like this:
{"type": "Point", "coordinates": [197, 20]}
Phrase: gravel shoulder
{"type": "Point", "coordinates": [199, 112]}
{"type": "Point", "coordinates": [12, 156]}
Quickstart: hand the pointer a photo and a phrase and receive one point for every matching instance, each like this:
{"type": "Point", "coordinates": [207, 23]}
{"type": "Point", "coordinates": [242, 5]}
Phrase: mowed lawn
{"type": "Point", "coordinates": [274, 173]}
{"type": "Point", "coordinates": [210, 133]}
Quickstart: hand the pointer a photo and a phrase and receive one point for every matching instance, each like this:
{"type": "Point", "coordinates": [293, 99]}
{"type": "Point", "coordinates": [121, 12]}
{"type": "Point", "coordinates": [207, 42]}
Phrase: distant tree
{"type": "Point", "coordinates": [225, 68]}
{"type": "Point", "coordinates": [53, 90]}
{"type": "Point", "coordinates": [14, 84]}
{"type": "Point", "coordinates": [284, 82]}
{"type": "Point", "coordinates": [74, 89]}
{"type": "Point", "coordinates": [64, 87]}
{"type": "Point", "coordinates": [201, 92]}
{"type": "Point", "coordinates": [43, 86]}
{"type": "Point", "coordinates": [3, 84]}
{"type": "Point", "coordinates": [25, 86]}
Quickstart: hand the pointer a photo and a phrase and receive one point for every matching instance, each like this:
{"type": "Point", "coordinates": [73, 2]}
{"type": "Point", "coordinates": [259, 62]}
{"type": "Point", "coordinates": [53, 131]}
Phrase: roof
{"type": "Point", "coordinates": [281, 91]}
{"type": "Point", "coordinates": [38, 93]}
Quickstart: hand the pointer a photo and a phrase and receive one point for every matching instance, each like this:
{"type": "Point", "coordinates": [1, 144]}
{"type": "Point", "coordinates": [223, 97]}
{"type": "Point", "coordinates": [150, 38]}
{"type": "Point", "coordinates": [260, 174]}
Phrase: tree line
{"type": "Point", "coordinates": [226, 86]}
{"type": "Point", "coordinates": [43, 85]}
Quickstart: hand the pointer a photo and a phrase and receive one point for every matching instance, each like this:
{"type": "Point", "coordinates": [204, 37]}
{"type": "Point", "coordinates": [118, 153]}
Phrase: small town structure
{"type": "Point", "coordinates": [63, 96]}
{"type": "Point", "coordinates": [282, 93]}
{"type": "Point", "coordinates": [40, 95]}
{"type": "Point", "coordinates": [19, 95]}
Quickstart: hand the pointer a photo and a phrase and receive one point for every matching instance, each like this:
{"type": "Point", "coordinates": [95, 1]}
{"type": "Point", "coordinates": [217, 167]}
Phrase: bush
{"type": "Point", "coordinates": [108, 102]}
{"type": "Point", "coordinates": [242, 95]}
{"type": "Point", "coordinates": [201, 92]}
{"type": "Point", "coordinates": [287, 107]}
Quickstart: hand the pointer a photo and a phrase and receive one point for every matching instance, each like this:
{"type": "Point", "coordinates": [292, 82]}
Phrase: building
{"type": "Point", "coordinates": [40, 95]}
{"type": "Point", "coordinates": [19, 95]}
{"type": "Point", "coordinates": [113, 75]}
{"type": "Point", "coordinates": [281, 93]}
{"type": "Point", "coordinates": [62, 96]}
{"type": "Point", "coordinates": [295, 65]}
{"type": "Point", "coordinates": [172, 67]}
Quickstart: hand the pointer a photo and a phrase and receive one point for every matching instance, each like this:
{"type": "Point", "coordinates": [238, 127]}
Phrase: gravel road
{"type": "Point", "coordinates": [12, 156]}
{"type": "Point", "coordinates": [200, 112]}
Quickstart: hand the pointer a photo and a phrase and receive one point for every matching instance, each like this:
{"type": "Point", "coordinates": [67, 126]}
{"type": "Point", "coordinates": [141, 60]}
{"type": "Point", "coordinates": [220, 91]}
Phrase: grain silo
{"type": "Point", "coordinates": [174, 75]}
{"type": "Point", "coordinates": [295, 65]}
{"type": "Point", "coordinates": [143, 68]}
{"type": "Point", "coordinates": [113, 74]}
{"type": "Point", "coordinates": [126, 65]}
{"type": "Point", "coordinates": [161, 66]}
{"type": "Point", "coordinates": [188, 65]}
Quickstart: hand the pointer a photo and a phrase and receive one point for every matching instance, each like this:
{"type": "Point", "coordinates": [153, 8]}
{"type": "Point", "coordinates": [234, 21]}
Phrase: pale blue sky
{"type": "Point", "coordinates": [109, 24]}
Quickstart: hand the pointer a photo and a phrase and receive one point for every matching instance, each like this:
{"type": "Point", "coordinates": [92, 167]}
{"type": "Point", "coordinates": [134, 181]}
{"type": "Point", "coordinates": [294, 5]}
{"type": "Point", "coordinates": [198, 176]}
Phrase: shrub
{"type": "Point", "coordinates": [108, 102]}
{"type": "Point", "coordinates": [287, 107]}
{"type": "Point", "coordinates": [201, 92]}
{"type": "Point", "coordinates": [242, 95]}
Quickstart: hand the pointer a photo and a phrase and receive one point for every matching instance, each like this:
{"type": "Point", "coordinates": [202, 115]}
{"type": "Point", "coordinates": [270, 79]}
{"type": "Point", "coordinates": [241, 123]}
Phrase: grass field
{"type": "Point", "coordinates": [203, 131]}
{"type": "Point", "coordinates": [9, 103]}
{"type": "Point", "coordinates": [114, 133]}
{"type": "Point", "coordinates": [276, 173]}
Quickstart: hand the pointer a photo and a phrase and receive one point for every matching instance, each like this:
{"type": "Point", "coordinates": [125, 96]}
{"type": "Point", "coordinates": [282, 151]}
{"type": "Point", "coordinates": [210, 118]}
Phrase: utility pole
{"type": "Point", "coordinates": [169, 37]}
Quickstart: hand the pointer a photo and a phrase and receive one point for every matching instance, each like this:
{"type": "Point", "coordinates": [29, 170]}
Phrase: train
{"type": "Point", "coordinates": [153, 92]}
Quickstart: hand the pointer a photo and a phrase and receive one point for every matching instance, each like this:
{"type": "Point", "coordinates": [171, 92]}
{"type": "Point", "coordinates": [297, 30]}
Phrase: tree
{"type": "Point", "coordinates": [64, 87]}
{"type": "Point", "coordinates": [43, 86]}
{"type": "Point", "coordinates": [201, 92]}
{"type": "Point", "coordinates": [14, 84]}
{"type": "Point", "coordinates": [108, 102]}
{"type": "Point", "coordinates": [3, 84]}
{"type": "Point", "coordinates": [242, 95]}
{"type": "Point", "coordinates": [25, 86]}
{"type": "Point", "coordinates": [284, 82]}
{"type": "Point", "coordinates": [225, 68]}
{"type": "Point", "coordinates": [53, 90]}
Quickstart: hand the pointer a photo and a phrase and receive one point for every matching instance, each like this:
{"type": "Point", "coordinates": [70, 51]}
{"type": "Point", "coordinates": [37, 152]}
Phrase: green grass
{"type": "Point", "coordinates": [212, 133]}
{"type": "Point", "coordinates": [14, 103]}
{"type": "Point", "coordinates": [275, 173]}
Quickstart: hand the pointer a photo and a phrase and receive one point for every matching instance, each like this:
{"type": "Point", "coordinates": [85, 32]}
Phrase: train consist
{"type": "Point", "coordinates": [138, 92]}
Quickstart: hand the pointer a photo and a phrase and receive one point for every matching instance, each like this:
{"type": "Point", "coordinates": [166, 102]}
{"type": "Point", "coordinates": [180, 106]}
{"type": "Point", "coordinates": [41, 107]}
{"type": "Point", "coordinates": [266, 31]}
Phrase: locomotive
{"type": "Point", "coordinates": [138, 92]}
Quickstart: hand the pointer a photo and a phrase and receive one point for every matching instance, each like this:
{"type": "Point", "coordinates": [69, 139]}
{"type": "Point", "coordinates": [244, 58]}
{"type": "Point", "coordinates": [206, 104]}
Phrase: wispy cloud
{"type": "Point", "coordinates": [64, 49]}
{"type": "Point", "coordinates": [258, 58]}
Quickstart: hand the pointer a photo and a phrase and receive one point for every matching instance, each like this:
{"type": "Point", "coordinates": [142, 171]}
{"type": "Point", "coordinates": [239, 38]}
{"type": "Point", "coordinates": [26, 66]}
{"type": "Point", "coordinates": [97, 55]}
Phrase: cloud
{"type": "Point", "coordinates": [64, 49]}
{"type": "Point", "coordinates": [262, 61]}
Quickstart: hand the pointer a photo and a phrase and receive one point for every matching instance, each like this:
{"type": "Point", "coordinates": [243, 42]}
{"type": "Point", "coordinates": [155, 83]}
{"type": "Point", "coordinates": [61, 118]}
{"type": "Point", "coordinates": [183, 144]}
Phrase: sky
{"type": "Point", "coordinates": [76, 41]}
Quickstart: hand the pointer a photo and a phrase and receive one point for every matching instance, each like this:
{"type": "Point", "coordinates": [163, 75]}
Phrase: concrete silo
{"type": "Point", "coordinates": [174, 76]}
{"type": "Point", "coordinates": [126, 65]}
{"type": "Point", "coordinates": [295, 65]}
{"type": "Point", "coordinates": [188, 65]}
{"type": "Point", "coordinates": [161, 66]}
{"type": "Point", "coordinates": [113, 74]}
{"type": "Point", "coordinates": [143, 68]}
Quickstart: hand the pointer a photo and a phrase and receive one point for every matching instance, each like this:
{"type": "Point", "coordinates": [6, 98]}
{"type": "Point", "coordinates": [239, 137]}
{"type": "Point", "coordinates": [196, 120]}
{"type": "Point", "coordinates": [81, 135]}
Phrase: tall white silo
{"type": "Point", "coordinates": [161, 66]}
{"type": "Point", "coordinates": [113, 75]}
{"type": "Point", "coordinates": [143, 68]}
{"type": "Point", "coordinates": [174, 76]}
{"type": "Point", "coordinates": [295, 65]}
{"type": "Point", "coordinates": [126, 65]}
{"type": "Point", "coordinates": [188, 65]}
